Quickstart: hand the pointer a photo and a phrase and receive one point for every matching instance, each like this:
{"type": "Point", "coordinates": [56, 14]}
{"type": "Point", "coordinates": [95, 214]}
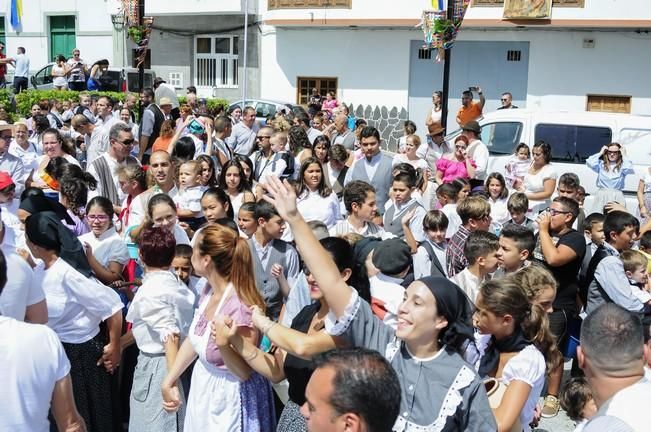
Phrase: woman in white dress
{"type": "Point", "coordinates": [106, 251]}
{"type": "Point", "coordinates": [60, 74]}
{"type": "Point", "coordinates": [540, 181]}
{"type": "Point", "coordinates": [225, 394]}
{"type": "Point", "coordinates": [316, 201]}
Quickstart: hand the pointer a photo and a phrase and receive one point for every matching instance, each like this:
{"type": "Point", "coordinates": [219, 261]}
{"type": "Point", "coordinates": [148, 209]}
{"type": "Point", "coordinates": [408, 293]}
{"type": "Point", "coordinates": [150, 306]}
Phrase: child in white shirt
{"type": "Point", "coordinates": [188, 199]}
{"type": "Point", "coordinates": [430, 259]}
{"type": "Point", "coordinates": [447, 197]}
{"type": "Point", "coordinates": [635, 264]}
{"type": "Point", "coordinates": [518, 164]}
{"type": "Point", "coordinates": [482, 251]}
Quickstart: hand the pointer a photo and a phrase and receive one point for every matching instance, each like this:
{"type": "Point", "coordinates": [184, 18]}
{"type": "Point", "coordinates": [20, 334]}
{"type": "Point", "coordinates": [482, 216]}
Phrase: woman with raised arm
{"type": "Point", "coordinates": [439, 390]}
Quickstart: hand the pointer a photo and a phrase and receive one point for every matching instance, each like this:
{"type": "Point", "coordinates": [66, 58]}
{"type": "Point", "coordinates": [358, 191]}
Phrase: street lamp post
{"type": "Point", "coordinates": [118, 20]}
{"type": "Point", "coordinates": [246, 51]}
{"type": "Point", "coordinates": [446, 72]}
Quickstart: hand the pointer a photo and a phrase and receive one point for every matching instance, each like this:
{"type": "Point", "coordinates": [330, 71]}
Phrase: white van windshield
{"type": "Point", "coordinates": [501, 138]}
{"type": "Point", "coordinates": [638, 145]}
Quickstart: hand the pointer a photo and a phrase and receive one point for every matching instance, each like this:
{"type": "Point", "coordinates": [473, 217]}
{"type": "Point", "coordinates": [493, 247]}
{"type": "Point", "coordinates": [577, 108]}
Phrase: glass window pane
{"type": "Point", "coordinates": [203, 45]}
{"type": "Point", "coordinates": [589, 141]}
{"type": "Point", "coordinates": [222, 45]}
{"type": "Point", "coordinates": [638, 145]}
{"type": "Point", "coordinates": [502, 138]}
{"type": "Point", "coordinates": [236, 48]}
{"type": "Point", "coordinates": [561, 138]}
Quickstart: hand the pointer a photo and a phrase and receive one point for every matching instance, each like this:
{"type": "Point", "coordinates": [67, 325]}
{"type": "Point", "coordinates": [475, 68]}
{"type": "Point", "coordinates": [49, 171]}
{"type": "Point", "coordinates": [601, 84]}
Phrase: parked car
{"type": "Point", "coordinates": [265, 107]}
{"type": "Point", "coordinates": [114, 79]}
{"type": "Point", "coordinates": [573, 136]}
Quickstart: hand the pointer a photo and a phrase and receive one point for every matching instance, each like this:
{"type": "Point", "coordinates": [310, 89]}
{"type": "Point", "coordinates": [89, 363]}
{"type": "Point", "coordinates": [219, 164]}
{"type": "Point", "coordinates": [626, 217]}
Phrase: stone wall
{"type": "Point", "coordinates": [389, 121]}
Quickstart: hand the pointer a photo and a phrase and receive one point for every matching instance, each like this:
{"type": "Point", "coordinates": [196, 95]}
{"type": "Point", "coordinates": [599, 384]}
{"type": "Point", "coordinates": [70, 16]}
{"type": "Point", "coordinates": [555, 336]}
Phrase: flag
{"type": "Point", "coordinates": [16, 15]}
{"type": "Point", "coordinates": [437, 5]}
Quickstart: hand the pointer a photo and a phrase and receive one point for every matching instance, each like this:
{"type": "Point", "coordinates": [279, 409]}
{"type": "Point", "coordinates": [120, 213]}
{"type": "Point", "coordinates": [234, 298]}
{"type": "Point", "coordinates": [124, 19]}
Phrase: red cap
{"type": "Point", "coordinates": [5, 180]}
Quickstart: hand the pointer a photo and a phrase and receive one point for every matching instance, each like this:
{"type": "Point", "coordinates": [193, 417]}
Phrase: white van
{"type": "Point", "coordinates": [573, 137]}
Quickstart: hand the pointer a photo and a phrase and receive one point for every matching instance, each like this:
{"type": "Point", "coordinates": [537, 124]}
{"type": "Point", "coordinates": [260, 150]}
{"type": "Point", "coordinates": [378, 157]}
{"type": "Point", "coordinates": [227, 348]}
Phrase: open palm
{"type": "Point", "coordinates": [282, 195]}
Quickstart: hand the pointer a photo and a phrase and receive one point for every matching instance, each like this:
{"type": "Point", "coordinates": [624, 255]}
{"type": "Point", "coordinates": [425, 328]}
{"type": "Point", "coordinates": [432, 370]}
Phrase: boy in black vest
{"type": "Point", "coordinates": [267, 250]}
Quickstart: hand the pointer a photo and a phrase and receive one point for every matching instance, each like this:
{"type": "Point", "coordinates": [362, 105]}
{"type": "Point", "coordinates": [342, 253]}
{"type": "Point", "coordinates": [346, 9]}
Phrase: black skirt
{"type": "Point", "coordinates": [91, 383]}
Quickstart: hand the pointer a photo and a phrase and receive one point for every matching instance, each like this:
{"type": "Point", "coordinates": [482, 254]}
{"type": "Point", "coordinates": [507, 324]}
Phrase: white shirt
{"type": "Point", "coordinates": [499, 211]}
{"type": "Point", "coordinates": [180, 235]}
{"type": "Point", "coordinates": [312, 134]}
{"type": "Point", "coordinates": [478, 152]}
{"type": "Point", "coordinates": [313, 206]}
{"type": "Point", "coordinates": [263, 166]}
{"type": "Point", "coordinates": [9, 214]}
{"type": "Point", "coordinates": [469, 283]}
{"type": "Point", "coordinates": [21, 290]}
{"type": "Point", "coordinates": [108, 247]}
{"type": "Point", "coordinates": [387, 291]}
{"type": "Point", "coordinates": [454, 220]}
{"type": "Point", "coordinates": [416, 223]}
{"type": "Point", "coordinates": [423, 263]}
{"type": "Point", "coordinates": [33, 360]}
{"type": "Point", "coordinates": [76, 305]}
{"type": "Point", "coordinates": [96, 144]}
{"type": "Point", "coordinates": [417, 163]}
{"type": "Point", "coordinates": [199, 145]}
{"type": "Point", "coordinates": [22, 66]}
{"type": "Point", "coordinates": [536, 183]}
{"type": "Point", "coordinates": [368, 230]}
{"type": "Point", "coordinates": [242, 138]}
{"type": "Point", "coordinates": [628, 405]}
{"type": "Point", "coordinates": [139, 204]}
{"type": "Point", "coordinates": [190, 198]}
{"type": "Point", "coordinates": [29, 157]}
{"type": "Point", "coordinates": [162, 307]}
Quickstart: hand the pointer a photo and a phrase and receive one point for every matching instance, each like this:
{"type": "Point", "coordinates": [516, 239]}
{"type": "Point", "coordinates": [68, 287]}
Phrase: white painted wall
{"type": "Point", "coordinates": [93, 32]}
{"type": "Point", "coordinates": [412, 9]}
{"type": "Point", "coordinates": [373, 65]}
{"type": "Point", "coordinates": [197, 7]}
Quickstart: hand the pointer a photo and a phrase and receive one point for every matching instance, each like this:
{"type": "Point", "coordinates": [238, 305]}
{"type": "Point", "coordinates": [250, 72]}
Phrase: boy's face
{"type": "Point", "coordinates": [568, 192]}
{"type": "Point", "coordinates": [596, 233]}
{"type": "Point", "coordinates": [188, 177]}
{"type": "Point", "coordinates": [518, 217]}
{"type": "Point", "coordinates": [490, 261]}
{"type": "Point", "coordinates": [183, 268]}
{"type": "Point", "coordinates": [276, 145]}
{"type": "Point", "coordinates": [436, 235]}
{"type": "Point", "coordinates": [639, 276]}
{"type": "Point", "coordinates": [401, 192]}
{"type": "Point", "coordinates": [274, 227]}
{"type": "Point", "coordinates": [511, 256]}
{"type": "Point", "coordinates": [443, 200]}
{"type": "Point", "coordinates": [246, 222]}
{"type": "Point", "coordinates": [623, 240]}
{"type": "Point", "coordinates": [366, 211]}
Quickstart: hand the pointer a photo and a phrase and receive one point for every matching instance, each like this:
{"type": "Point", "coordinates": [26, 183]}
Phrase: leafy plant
{"type": "Point", "coordinates": [136, 33]}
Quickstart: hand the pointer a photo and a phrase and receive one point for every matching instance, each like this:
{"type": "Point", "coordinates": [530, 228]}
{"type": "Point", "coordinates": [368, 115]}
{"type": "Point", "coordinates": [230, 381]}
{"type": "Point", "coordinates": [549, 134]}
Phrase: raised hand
{"type": "Point", "coordinates": [282, 195]}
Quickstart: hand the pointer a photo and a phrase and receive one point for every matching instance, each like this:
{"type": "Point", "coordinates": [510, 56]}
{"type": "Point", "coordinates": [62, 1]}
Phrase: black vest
{"type": "Point", "coordinates": [159, 118]}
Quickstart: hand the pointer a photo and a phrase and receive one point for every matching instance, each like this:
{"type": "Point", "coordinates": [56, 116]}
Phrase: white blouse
{"type": "Point", "coordinates": [163, 306]}
{"type": "Point", "coordinates": [536, 183]}
{"type": "Point", "coordinates": [108, 247]}
{"type": "Point", "coordinates": [76, 305]}
{"type": "Point", "coordinates": [499, 211]}
{"type": "Point", "coordinates": [313, 206]}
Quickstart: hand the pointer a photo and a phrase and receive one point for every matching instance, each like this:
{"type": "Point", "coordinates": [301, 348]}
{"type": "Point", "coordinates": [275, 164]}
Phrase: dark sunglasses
{"type": "Point", "coordinates": [259, 137]}
{"type": "Point", "coordinates": [127, 142]}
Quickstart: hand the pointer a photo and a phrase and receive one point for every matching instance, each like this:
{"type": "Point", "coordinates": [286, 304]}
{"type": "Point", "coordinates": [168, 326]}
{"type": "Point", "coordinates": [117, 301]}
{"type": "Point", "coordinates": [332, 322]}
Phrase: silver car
{"type": "Point", "coordinates": [264, 108]}
{"type": "Point", "coordinates": [114, 79]}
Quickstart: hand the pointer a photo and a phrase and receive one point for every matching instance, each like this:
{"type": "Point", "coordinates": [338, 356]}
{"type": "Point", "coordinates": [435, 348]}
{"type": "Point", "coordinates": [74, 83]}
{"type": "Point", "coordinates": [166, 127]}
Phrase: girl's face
{"type": "Point", "coordinates": [247, 170]}
{"type": "Point", "coordinates": [162, 215]}
{"type": "Point", "coordinates": [401, 192]}
{"type": "Point", "coordinates": [206, 173]}
{"type": "Point", "coordinates": [523, 154]}
{"type": "Point", "coordinates": [321, 152]}
{"type": "Point", "coordinates": [233, 178]}
{"type": "Point", "coordinates": [312, 176]}
{"type": "Point", "coordinates": [436, 99]}
{"type": "Point", "coordinates": [545, 299]}
{"type": "Point", "coordinates": [463, 193]}
{"type": "Point", "coordinates": [98, 220]}
{"type": "Point", "coordinates": [495, 188]}
{"type": "Point", "coordinates": [51, 146]}
{"type": "Point", "coordinates": [237, 114]}
{"type": "Point", "coordinates": [486, 322]}
{"type": "Point", "coordinates": [246, 222]}
{"type": "Point", "coordinates": [212, 208]}
{"type": "Point", "coordinates": [418, 318]}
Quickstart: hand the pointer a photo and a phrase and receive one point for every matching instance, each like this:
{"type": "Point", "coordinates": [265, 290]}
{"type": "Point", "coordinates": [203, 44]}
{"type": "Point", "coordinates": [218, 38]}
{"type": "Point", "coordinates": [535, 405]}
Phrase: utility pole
{"type": "Point", "coordinates": [446, 71]}
{"type": "Point", "coordinates": [246, 51]}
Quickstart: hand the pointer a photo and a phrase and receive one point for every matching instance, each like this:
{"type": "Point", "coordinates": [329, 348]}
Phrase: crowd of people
{"type": "Point", "coordinates": [199, 270]}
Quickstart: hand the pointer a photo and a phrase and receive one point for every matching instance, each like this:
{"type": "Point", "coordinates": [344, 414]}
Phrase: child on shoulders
{"type": "Point", "coordinates": [188, 199]}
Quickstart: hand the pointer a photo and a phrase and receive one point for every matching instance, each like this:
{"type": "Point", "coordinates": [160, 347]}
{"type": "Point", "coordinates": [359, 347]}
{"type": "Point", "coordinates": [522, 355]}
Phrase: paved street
{"type": "Point", "coordinates": [560, 423]}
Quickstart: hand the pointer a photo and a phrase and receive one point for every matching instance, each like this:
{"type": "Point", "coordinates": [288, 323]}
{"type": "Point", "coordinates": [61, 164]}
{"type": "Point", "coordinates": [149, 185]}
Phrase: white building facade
{"type": "Point", "coordinates": [591, 55]}
{"type": "Point", "coordinates": [52, 27]}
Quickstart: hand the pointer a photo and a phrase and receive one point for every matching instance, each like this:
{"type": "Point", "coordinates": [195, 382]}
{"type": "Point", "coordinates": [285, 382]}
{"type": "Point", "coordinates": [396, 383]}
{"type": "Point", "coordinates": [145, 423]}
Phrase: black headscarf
{"type": "Point", "coordinates": [46, 230]}
{"type": "Point", "coordinates": [454, 305]}
{"type": "Point", "coordinates": [40, 203]}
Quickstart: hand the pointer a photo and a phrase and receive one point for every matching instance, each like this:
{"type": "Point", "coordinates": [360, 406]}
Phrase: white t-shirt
{"type": "Point", "coordinates": [536, 183]}
{"type": "Point", "coordinates": [21, 290]}
{"type": "Point", "coordinates": [313, 206]}
{"type": "Point", "coordinates": [33, 360]}
{"type": "Point", "coordinates": [108, 247]}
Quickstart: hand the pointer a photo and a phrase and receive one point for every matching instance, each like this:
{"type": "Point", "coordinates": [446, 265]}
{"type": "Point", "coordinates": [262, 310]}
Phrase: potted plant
{"type": "Point", "coordinates": [136, 33]}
